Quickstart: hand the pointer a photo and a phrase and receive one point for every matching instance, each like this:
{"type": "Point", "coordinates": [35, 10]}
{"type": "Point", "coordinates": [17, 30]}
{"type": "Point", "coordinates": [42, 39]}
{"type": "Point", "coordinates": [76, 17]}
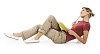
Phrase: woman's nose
{"type": "Point", "coordinates": [81, 12]}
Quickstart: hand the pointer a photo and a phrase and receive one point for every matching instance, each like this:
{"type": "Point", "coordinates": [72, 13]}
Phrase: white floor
{"type": "Point", "coordinates": [19, 15]}
{"type": "Point", "coordinates": [10, 46]}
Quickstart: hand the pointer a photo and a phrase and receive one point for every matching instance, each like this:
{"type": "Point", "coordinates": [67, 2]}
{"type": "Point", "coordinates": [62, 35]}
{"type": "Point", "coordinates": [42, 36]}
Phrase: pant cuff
{"type": "Point", "coordinates": [23, 37]}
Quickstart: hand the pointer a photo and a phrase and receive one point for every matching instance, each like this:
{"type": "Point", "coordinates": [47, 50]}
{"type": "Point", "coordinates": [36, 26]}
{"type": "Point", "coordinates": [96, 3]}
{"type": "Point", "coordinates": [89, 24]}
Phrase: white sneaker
{"type": "Point", "coordinates": [10, 36]}
{"type": "Point", "coordinates": [31, 41]}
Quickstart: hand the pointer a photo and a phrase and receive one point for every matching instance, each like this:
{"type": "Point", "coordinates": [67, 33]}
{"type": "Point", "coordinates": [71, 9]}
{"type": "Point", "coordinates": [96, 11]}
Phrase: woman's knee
{"type": "Point", "coordinates": [51, 17]}
{"type": "Point", "coordinates": [37, 26]}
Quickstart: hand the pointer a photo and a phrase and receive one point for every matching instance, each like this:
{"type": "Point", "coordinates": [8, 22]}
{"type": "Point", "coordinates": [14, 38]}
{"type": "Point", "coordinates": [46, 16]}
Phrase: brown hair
{"type": "Point", "coordinates": [89, 10]}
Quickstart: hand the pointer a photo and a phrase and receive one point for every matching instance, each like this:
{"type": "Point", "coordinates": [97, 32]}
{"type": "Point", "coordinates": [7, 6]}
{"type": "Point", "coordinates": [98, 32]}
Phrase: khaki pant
{"type": "Point", "coordinates": [50, 28]}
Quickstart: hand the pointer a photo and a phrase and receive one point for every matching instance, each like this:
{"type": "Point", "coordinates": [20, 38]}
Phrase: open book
{"type": "Point", "coordinates": [63, 26]}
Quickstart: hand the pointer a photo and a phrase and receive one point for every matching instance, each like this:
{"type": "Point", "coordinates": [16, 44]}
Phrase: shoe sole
{"type": "Point", "coordinates": [10, 37]}
{"type": "Point", "coordinates": [31, 42]}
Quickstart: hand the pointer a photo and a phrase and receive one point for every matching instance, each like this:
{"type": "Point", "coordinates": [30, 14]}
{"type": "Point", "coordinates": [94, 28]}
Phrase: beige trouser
{"type": "Point", "coordinates": [50, 28]}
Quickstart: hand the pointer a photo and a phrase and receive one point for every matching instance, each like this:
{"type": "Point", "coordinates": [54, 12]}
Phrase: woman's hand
{"type": "Point", "coordinates": [71, 32]}
{"type": "Point", "coordinates": [74, 23]}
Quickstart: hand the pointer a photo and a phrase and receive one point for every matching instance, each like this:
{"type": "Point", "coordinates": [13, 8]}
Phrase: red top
{"type": "Point", "coordinates": [78, 29]}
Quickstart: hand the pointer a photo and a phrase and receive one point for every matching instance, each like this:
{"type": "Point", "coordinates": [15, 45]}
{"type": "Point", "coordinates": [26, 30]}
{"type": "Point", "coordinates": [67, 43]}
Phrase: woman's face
{"type": "Point", "coordinates": [84, 13]}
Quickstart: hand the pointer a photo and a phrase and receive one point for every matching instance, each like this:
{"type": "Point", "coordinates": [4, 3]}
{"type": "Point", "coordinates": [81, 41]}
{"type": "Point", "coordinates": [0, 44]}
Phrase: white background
{"type": "Point", "coordinates": [19, 15]}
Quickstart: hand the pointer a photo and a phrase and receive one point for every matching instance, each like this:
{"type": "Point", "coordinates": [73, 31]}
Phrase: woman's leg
{"type": "Point", "coordinates": [56, 36]}
{"type": "Point", "coordinates": [28, 33]}
{"type": "Point", "coordinates": [50, 23]}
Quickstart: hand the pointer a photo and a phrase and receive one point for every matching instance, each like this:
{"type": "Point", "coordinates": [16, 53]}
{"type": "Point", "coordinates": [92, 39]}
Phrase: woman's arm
{"type": "Point", "coordinates": [82, 40]}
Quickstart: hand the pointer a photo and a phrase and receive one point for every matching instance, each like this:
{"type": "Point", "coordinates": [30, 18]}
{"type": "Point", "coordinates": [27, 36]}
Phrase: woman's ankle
{"type": "Point", "coordinates": [39, 34]}
{"type": "Point", "coordinates": [36, 38]}
{"type": "Point", "coordinates": [17, 34]}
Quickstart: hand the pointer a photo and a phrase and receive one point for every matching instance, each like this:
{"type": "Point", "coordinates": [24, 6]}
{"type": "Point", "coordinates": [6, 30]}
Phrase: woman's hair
{"type": "Point", "coordinates": [90, 11]}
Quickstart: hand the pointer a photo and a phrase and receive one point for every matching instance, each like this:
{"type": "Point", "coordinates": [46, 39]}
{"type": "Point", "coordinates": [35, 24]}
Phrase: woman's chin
{"type": "Point", "coordinates": [82, 16]}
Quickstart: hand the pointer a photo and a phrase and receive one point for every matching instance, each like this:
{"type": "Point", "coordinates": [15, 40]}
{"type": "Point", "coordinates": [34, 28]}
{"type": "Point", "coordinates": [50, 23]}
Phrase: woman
{"type": "Point", "coordinates": [52, 30]}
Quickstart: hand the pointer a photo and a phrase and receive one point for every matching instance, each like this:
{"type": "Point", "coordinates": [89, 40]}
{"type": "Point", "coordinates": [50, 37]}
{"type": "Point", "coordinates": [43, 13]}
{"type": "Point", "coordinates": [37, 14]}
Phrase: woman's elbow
{"type": "Point", "coordinates": [84, 42]}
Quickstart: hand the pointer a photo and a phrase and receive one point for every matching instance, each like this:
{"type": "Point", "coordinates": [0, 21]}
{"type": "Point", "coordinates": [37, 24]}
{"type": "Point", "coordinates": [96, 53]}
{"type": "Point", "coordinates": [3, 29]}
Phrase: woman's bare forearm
{"type": "Point", "coordinates": [80, 39]}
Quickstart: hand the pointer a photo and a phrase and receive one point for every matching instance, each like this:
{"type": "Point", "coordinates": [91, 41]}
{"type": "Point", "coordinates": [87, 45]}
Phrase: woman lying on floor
{"type": "Point", "coordinates": [52, 30]}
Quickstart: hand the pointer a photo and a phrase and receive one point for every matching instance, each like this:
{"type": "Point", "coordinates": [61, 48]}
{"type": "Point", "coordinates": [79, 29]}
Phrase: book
{"type": "Point", "coordinates": [63, 26]}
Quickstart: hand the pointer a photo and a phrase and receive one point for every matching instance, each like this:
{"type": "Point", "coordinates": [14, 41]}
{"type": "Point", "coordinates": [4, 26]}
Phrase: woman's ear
{"type": "Point", "coordinates": [88, 13]}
